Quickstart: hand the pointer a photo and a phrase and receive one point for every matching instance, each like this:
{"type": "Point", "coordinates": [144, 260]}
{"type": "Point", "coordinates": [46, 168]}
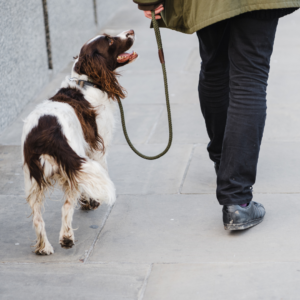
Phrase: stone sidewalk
{"type": "Point", "coordinates": [164, 237]}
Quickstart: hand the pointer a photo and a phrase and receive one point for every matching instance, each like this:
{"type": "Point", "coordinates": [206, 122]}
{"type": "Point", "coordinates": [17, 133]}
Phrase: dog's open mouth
{"type": "Point", "coordinates": [124, 57]}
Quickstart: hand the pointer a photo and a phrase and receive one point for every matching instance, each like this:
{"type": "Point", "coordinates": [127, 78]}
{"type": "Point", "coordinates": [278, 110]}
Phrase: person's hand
{"type": "Point", "coordinates": [148, 14]}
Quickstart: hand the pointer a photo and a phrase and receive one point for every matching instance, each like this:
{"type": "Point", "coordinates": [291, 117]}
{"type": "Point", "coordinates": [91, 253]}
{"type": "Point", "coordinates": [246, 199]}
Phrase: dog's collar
{"type": "Point", "coordinates": [83, 83]}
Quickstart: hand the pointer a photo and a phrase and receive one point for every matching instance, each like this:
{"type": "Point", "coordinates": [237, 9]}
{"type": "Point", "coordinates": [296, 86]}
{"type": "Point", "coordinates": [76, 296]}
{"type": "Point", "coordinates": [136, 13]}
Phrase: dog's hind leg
{"type": "Point", "coordinates": [66, 236]}
{"type": "Point", "coordinates": [35, 198]}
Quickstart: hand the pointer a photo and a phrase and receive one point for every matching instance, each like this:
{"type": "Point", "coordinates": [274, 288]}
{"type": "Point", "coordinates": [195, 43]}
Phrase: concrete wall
{"type": "Point", "coordinates": [23, 54]}
{"type": "Point", "coordinates": [71, 25]}
{"type": "Point", "coordinates": [106, 9]}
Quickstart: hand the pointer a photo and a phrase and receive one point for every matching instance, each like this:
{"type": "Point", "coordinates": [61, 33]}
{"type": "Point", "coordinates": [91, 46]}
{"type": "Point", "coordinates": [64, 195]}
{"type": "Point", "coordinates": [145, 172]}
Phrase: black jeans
{"type": "Point", "coordinates": [232, 90]}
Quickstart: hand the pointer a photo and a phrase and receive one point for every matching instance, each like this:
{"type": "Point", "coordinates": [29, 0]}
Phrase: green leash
{"type": "Point", "coordinates": [161, 57]}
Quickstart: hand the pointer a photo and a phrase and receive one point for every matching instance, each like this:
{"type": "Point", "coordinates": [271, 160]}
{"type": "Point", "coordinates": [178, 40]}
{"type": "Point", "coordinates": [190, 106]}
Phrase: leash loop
{"type": "Point", "coordinates": [162, 61]}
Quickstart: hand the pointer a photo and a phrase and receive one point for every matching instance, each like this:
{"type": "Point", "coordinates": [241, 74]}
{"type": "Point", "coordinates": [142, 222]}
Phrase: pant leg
{"type": "Point", "coordinates": [250, 48]}
{"type": "Point", "coordinates": [214, 83]}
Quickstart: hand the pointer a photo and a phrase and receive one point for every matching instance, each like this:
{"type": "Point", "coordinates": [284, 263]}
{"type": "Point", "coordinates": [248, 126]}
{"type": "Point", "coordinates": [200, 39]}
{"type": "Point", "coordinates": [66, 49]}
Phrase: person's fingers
{"type": "Point", "coordinates": [159, 9]}
{"type": "Point", "coordinates": [150, 17]}
{"type": "Point", "coordinates": [148, 13]}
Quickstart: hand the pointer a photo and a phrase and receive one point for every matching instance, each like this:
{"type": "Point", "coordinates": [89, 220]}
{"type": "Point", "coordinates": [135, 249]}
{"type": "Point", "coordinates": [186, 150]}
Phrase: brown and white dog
{"type": "Point", "coordinates": [64, 139]}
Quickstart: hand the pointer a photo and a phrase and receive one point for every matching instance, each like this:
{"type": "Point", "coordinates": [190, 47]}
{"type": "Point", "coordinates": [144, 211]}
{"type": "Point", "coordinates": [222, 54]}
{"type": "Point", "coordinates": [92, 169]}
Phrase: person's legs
{"type": "Point", "coordinates": [250, 49]}
{"type": "Point", "coordinates": [214, 83]}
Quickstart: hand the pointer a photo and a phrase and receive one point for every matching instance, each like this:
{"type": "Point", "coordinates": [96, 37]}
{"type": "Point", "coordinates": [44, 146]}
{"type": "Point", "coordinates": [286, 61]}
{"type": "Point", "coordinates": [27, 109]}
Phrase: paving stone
{"type": "Point", "coordinates": [147, 87]}
{"type": "Point", "coordinates": [201, 177]}
{"type": "Point", "coordinates": [282, 124]}
{"type": "Point", "coordinates": [277, 170]}
{"type": "Point", "coordinates": [288, 25]}
{"type": "Point", "coordinates": [235, 281]}
{"type": "Point", "coordinates": [19, 236]}
{"type": "Point", "coordinates": [188, 126]}
{"type": "Point", "coordinates": [193, 63]}
{"type": "Point", "coordinates": [11, 173]}
{"type": "Point", "coordinates": [285, 55]}
{"type": "Point", "coordinates": [189, 229]}
{"type": "Point", "coordinates": [134, 175]}
{"type": "Point", "coordinates": [286, 59]}
{"type": "Point", "coordinates": [283, 89]}
{"type": "Point", "coordinates": [140, 121]}
{"type": "Point", "coordinates": [185, 89]}
{"type": "Point", "coordinates": [174, 60]}
{"type": "Point", "coordinates": [53, 281]}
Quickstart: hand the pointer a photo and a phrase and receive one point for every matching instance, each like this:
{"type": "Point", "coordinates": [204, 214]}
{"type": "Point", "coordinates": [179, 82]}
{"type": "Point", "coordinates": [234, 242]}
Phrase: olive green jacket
{"type": "Point", "coordinates": [188, 16]}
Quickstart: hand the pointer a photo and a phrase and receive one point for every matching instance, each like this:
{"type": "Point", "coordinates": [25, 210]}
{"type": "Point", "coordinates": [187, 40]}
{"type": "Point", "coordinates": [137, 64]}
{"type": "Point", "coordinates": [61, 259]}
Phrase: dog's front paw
{"type": "Point", "coordinates": [94, 204]}
{"type": "Point", "coordinates": [84, 204]}
{"type": "Point", "coordinates": [90, 204]}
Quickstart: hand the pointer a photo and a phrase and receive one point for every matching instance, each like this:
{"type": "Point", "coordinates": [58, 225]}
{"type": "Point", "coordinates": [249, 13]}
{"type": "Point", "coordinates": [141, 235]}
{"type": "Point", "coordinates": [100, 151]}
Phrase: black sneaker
{"type": "Point", "coordinates": [236, 217]}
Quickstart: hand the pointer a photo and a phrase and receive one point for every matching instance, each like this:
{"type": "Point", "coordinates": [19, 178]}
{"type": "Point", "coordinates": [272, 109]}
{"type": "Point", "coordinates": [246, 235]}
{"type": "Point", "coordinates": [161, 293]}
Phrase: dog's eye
{"type": "Point", "coordinates": [110, 41]}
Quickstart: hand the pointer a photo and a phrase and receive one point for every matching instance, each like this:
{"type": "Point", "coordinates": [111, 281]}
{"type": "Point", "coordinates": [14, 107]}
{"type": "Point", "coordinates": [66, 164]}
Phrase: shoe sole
{"type": "Point", "coordinates": [242, 226]}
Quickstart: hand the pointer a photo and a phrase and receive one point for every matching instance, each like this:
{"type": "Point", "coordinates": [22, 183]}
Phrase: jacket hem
{"type": "Point", "coordinates": [148, 6]}
{"type": "Point", "coordinates": [235, 12]}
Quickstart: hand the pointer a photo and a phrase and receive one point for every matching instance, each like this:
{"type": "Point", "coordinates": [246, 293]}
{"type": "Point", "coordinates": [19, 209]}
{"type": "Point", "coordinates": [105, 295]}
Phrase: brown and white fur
{"type": "Point", "coordinates": [65, 138]}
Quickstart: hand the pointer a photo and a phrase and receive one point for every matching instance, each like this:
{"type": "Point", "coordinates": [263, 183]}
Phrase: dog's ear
{"type": "Point", "coordinates": [95, 67]}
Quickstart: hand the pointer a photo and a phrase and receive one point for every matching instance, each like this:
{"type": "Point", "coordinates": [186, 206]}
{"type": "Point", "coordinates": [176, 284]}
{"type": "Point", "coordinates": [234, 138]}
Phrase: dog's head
{"type": "Point", "coordinates": [101, 56]}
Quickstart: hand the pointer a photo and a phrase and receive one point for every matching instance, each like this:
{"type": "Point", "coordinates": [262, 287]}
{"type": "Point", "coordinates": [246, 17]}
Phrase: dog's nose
{"type": "Point", "coordinates": [129, 33]}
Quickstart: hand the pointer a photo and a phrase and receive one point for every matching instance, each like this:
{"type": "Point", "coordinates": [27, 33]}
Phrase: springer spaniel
{"type": "Point", "coordinates": [64, 139]}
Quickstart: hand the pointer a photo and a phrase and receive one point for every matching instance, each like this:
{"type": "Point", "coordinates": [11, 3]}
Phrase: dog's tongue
{"type": "Point", "coordinates": [127, 56]}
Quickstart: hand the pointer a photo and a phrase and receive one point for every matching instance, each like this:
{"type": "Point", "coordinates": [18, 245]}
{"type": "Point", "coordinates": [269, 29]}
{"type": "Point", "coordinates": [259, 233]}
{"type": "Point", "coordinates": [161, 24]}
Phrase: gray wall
{"type": "Point", "coordinates": [23, 55]}
{"type": "Point", "coordinates": [106, 9]}
{"type": "Point", "coordinates": [71, 24]}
